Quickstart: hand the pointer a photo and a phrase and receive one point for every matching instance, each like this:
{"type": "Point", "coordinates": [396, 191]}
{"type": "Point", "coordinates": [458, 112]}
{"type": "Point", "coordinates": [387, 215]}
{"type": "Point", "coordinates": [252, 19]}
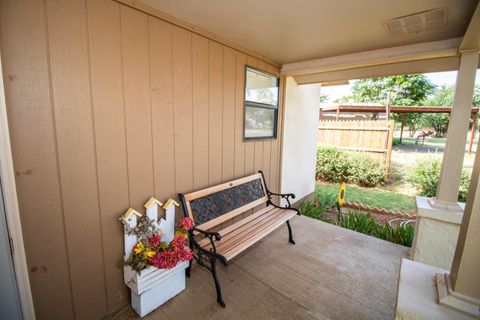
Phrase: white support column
{"type": "Point", "coordinates": [299, 151]}
{"type": "Point", "coordinates": [439, 219]}
{"type": "Point", "coordinates": [452, 163]}
{"type": "Point", "coordinates": [455, 294]}
{"type": "Point", "coordinates": [461, 288]}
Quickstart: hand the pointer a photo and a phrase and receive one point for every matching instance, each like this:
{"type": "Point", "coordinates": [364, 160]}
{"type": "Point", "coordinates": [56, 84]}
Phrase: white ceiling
{"type": "Point", "coordinates": [296, 30]}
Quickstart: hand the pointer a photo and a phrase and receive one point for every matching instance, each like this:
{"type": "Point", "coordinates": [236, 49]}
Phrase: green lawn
{"type": "Point", "coordinates": [431, 141]}
{"type": "Point", "coordinates": [372, 196]}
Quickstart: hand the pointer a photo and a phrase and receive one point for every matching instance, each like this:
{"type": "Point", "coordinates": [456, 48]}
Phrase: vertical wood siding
{"type": "Point", "coordinates": [108, 106]}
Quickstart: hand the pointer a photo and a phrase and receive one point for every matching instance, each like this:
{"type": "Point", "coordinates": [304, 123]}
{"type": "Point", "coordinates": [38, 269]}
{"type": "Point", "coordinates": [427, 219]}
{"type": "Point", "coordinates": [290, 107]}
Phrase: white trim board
{"type": "Point", "coordinates": [419, 51]}
{"type": "Point", "coordinates": [12, 210]}
{"type": "Point", "coordinates": [391, 69]}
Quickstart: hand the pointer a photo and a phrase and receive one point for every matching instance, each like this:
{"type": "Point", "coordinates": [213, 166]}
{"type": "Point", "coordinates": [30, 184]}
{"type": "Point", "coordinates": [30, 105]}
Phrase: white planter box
{"type": "Point", "coordinates": [152, 287]}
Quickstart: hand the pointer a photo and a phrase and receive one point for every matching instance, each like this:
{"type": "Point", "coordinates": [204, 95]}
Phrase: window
{"type": "Point", "coordinates": [261, 105]}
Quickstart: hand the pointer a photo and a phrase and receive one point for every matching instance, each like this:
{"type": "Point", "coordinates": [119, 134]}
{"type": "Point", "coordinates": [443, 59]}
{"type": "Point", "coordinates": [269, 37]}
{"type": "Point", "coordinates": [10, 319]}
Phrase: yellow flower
{"type": "Point", "coordinates": [148, 254]}
{"type": "Point", "coordinates": [139, 248]}
{"type": "Point", "coordinates": [341, 194]}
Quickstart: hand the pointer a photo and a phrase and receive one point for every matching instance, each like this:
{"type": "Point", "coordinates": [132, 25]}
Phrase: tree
{"type": "Point", "coordinates": [443, 97]}
{"type": "Point", "coordinates": [344, 99]}
{"type": "Point", "coordinates": [405, 90]}
{"type": "Point", "coordinates": [437, 121]}
{"type": "Point", "coordinates": [323, 98]}
{"type": "Point", "coordinates": [445, 94]}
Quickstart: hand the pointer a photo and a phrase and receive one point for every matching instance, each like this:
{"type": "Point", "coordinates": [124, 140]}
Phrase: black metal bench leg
{"type": "Point", "coordinates": [213, 270]}
{"type": "Point", "coordinates": [290, 237]}
{"type": "Point", "coordinates": [187, 271]}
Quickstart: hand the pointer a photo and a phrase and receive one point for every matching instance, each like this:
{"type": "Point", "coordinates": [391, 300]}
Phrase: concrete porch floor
{"type": "Point", "coordinates": [331, 273]}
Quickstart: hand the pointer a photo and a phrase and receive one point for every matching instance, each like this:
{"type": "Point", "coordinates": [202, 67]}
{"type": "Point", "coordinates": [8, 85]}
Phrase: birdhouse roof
{"type": "Point", "coordinates": [169, 203]}
{"type": "Point", "coordinates": [129, 213]}
{"type": "Point", "coordinates": [151, 202]}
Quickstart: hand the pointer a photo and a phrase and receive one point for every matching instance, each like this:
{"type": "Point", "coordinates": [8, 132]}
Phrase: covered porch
{"type": "Point", "coordinates": [107, 103]}
{"type": "Point", "coordinates": [331, 273]}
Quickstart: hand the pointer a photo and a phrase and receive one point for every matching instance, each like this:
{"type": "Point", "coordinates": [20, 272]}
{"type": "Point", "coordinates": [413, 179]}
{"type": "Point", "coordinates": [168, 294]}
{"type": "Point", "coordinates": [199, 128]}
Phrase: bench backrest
{"type": "Point", "coordinates": [211, 206]}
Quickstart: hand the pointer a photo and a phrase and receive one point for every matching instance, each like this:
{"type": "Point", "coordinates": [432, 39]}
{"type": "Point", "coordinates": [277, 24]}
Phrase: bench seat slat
{"type": "Point", "coordinates": [246, 219]}
{"type": "Point", "coordinates": [231, 239]}
{"type": "Point", "coordinates": [231, 228]}
{"type": "Point", "coordinates": [287, 214]}
{"type": "Point", "coordinates": [243, 234]}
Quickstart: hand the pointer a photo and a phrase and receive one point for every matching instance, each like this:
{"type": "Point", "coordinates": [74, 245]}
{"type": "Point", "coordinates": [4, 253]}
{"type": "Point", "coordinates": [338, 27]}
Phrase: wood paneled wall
{"type": "Point", "coordinates": [108, 106]}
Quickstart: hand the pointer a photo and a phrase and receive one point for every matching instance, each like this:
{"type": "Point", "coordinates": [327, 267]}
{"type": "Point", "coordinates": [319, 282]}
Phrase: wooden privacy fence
{"type": "Point", "coordinates": [373, 137]}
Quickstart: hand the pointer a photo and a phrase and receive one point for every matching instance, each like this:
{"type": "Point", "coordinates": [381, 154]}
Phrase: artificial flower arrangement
{"type": "Point", "coordinates": [150, 250]}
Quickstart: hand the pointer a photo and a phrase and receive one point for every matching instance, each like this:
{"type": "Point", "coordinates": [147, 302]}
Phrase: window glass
{"type": "Point", "coordinates": [259, 122]}
{"type": "Point", "coordinates": [261, 105]}
{"type": "Point", "coordinates": [261, 88]}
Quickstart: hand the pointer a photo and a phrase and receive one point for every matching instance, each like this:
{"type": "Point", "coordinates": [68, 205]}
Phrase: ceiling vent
{"type": "Point", "coordinates": [417, 22]}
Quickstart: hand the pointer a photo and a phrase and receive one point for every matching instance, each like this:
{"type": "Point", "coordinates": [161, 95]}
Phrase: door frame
{"type": "Point", "coordinates": [12, 210]}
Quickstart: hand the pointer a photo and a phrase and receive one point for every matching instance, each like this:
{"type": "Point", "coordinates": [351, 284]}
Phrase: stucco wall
{"type": "Point", "coordinates": [436, 235]}
{"type": "Point", "coordinates": [302, 105]}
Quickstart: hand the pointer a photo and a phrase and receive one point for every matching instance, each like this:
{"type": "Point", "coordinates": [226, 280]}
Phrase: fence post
{"type": "Point", "coordinates": [388, 154]}
{"type": "Point", "coordinates": [472, 133]}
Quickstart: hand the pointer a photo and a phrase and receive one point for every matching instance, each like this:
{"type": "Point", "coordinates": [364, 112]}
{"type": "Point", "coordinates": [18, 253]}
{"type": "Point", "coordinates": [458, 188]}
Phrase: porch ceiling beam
{"type": "Point", "coordinates": [419, 51]}
{"type": "Point", "coordinates": [393, 109]}
{"type": "Point", "coordinates": [471, 40]}
{"type": "Point", "coordinates": [419, 66]}
{"type": "Point", "coordinates": [329, 83]}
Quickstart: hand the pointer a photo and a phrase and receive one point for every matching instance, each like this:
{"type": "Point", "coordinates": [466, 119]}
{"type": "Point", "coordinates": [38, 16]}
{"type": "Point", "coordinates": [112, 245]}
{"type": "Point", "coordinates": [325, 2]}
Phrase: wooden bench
{"type": "Point", "coordinates": [211, 207]}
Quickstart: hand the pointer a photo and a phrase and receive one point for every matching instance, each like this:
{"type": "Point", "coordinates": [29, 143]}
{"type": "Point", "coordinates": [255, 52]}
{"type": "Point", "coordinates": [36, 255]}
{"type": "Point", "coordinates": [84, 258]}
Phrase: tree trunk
{"type": "Point", "coordinates": [401, 129]}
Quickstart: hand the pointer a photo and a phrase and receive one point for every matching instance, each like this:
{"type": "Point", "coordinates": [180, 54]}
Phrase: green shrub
{"type": "Point", "coordinates": [426, 174]}
{"type": "Point", "coordinates": [464, 184]}
{"type": "Point", "coordinates": [395, 141]}
{"type": "Point", "coordinates": [401, 234]}
{"type": "Point", "coordinates": [365, 223]}
{"type": "Point", "coordinates": [360, 222]}
{"type": "Point", "coordinates": [366, 171]}
{"type": "Point", "coordinates": [334, 165]}
{"type": "Point", "coordinates": [309, 209]}
{"type": "Point", "coordinates": [314, 211]}
{"type": "Point", "coordinates": [326, 201]}
{"type": "Point", "coordinates": [331, 164]}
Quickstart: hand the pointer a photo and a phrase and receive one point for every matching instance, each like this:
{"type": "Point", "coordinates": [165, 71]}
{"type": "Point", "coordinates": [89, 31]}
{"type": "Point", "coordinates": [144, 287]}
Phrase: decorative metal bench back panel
{"type": "Point", "coordinates": [214, 205]}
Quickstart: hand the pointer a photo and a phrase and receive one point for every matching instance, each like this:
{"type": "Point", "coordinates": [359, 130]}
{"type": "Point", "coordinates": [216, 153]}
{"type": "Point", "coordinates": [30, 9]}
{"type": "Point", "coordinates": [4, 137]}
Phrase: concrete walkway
{"type": "Point", "coordinates": [331, 273]}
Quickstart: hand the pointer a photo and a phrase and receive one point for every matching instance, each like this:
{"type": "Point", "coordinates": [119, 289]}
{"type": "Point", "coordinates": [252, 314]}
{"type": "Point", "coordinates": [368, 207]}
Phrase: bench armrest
{"type": "Point", "coordinates": [285, 196]}
{"type": "Point", "coordinates": [209, 234]}
{"type": "Point", "coordinates": [212, 253]}
{"type": "Point", "coordinates": [212, 236]}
